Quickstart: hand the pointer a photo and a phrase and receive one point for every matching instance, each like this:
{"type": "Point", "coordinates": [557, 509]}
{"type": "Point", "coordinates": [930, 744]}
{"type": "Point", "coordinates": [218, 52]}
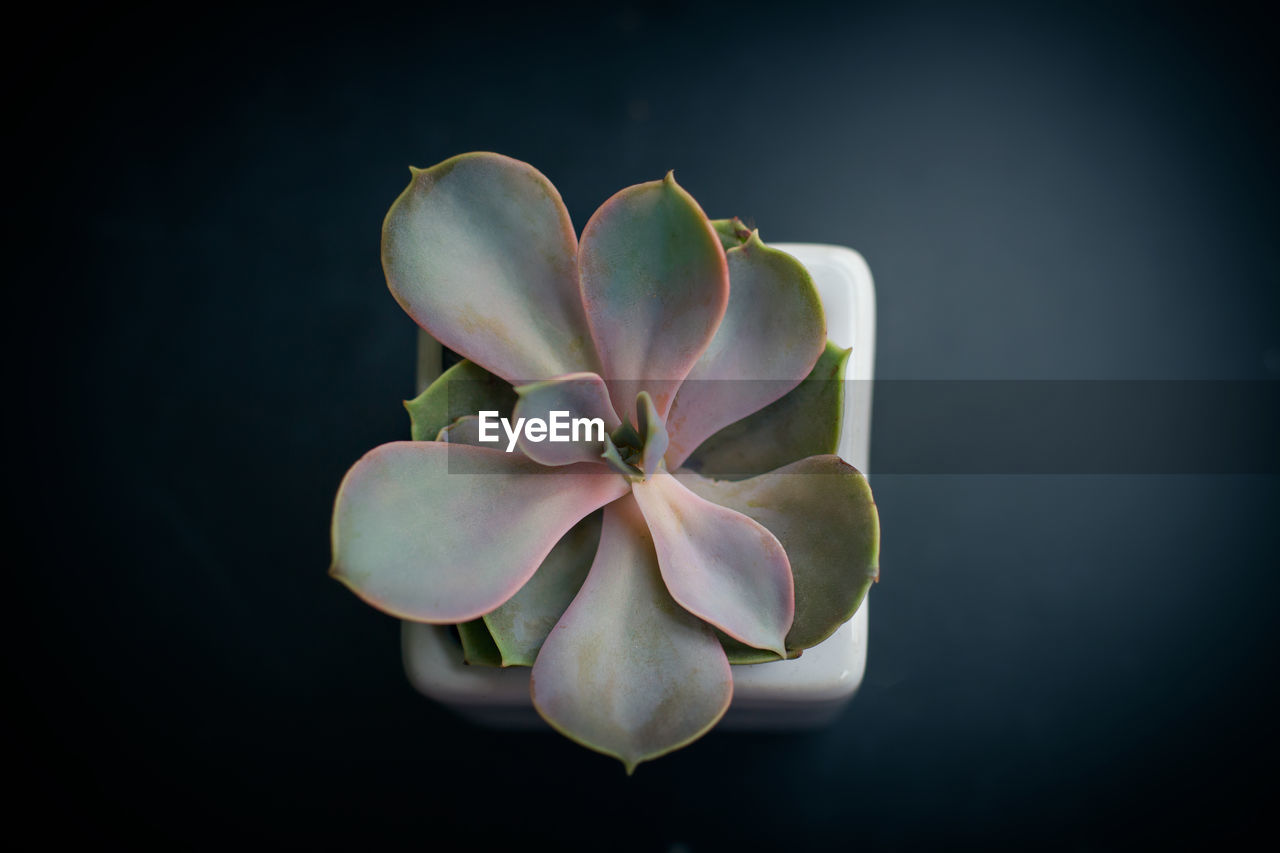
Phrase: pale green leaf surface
{"type": "Point", "coordinates": [771, 336]}
{"type": "Point", "coordinates": [804, 422]}
{"type": "Point", "coordinates": [655, 285]}
{"type": "Point", "coordinates": [465, 431]}
{"type": "Point", "coordinates": [627, 671]}
{"type": "Point", "coordinates": [581, 395]}
{"type": "Point", "coordinates": [520, 626]}
{"type": "Point", "coordinates": [721, 565]}
{"type": "Point", "coordinates": [464, 389]}
{"type": "Point", "coordinates": [478, 648]}
{"type": "Point", "coordinates": [732, 232]}
{"type": "Point", "coordinates": [822, 511]}
{"type": "Point", "coordinates": [479, 250]}
{"type": "Point", "coordinates": [443, 533]}
{"type": "Point", "coordinates": [653, 433]}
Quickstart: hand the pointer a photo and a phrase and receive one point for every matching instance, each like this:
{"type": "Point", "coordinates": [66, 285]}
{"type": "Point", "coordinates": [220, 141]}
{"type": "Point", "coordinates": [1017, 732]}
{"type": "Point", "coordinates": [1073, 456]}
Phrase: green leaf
{"type": "Point", "coordinates": [582, 395]}
{"type": "Point", "coordinates": [740, 653]}
{"type": "Point", "coordinates": [805, 422]}
{"type": "Point", "coordinates": [822, 511]}
{"type": "Point", "coordinates": [628, 671]}
{"type": "Point", "coordinates": [478, 648]}
{"type": "Point", "coordinates": [653, 433]}
{"type": "Point", "coordinates": [722, 566]}
{"type": "Point", "coordinates": [463, 431]}
{"type": "Point", "coordinates": [613, 458]}
{"type": "Point", "coordinates": [444, 533]}
{"type": "Point", "coordinates": [773, 333]}
{"type": "Point", "coordinates": [655, 284]}
{"type": "Point", "coordinates": [520, 627]}
{"type": "Point", "coordinates": [462, 390]}
{"type": "Point", "coordinates": [479, 250]}
{"type": "Point", "coordinates": [732, 232]}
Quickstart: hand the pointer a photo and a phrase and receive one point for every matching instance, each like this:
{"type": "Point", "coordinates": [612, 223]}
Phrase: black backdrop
{"type": "Point", "coordinates": [205, 344]}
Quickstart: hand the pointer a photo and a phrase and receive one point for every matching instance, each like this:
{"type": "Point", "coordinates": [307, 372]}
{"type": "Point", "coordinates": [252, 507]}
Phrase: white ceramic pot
{"type": "Point", "coordinates": [805, 692]}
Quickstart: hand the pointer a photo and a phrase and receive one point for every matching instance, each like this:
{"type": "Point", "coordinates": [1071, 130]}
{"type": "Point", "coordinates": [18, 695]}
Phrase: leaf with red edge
{"type": "Point", "coordinates": [479, 250]}
{"type": "Point", "coordinates": [423, 542]}
{"type": "Point", "coordinates": [719, 564]}
{"type": "Point", "coordinates": [822, 511]}
{"type": "Point", "coordinates": [627, 671]}
{"type": "Point", "coordinates": [655, 285]}
{"type": "Point", "coordinates": [772, 335]}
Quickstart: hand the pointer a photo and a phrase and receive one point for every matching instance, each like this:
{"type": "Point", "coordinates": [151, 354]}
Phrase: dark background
{"type": "Point", "coordinates": [206, 344]}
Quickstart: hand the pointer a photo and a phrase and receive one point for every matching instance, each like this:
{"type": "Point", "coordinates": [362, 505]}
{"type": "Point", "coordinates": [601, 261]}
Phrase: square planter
{"type": "Point", "coordinates": [808, 691]}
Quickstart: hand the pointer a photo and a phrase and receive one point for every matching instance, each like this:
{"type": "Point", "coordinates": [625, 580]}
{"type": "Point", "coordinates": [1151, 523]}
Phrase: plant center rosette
{"type": "Point", "coordinates": [707, 523]}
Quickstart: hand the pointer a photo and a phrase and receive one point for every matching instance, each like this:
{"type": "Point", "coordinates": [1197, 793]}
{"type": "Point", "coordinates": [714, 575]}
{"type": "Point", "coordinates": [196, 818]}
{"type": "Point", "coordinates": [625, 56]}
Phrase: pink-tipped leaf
{"type": "Point", "coordinates": [772, 334]}
{"type": "Point", "coordinates": [479, 250]}
{"type": "Point", "coordinates": [822, 511]}
{"type": "Point", "coordinates": [558, 403]}
{"type": "Point", "coordinates": [443, 533]}
{"type": "Point", "coordinates": [627, 671]}
{"type": "Point", "coordinates": [520, 627]}
{"type": "Point", "coordinates": [655, 284]}
{"type": "Point", "coordinates": [722, 566]}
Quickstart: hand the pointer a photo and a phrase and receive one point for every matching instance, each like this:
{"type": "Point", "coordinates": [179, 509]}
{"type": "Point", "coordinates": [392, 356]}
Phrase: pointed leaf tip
{"type": "Point", "coordinates": [614, 460]}
{"type": "Point", "coordinates": [772, 299]}
{"type": "Point", "coordinates": [464, 389]}
{"type": "Point", "coordinates": [481, 230]}
{"type": "Point", "coordinates": [655, 284]}
{"type": "Point", "coordinates": [627, 671]}
{"type": "Point", "coordinates": [653, 433]}
{"type": "Point", "coordinates": [732, 232]}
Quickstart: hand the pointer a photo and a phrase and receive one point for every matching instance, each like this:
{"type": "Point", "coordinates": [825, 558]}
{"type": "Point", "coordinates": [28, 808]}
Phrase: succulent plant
{"type": "Point", "coordinates": [711, 525]}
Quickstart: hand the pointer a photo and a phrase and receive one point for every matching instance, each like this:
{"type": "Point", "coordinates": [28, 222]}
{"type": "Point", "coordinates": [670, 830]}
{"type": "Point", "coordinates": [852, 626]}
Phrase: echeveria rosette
{"type": "Point", "coordinates": [620, 577]}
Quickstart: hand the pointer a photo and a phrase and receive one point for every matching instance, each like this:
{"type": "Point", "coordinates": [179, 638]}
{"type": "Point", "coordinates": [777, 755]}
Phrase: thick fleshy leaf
{"type": "Point", "coordinates": [479, 250]}
{"type": "Point", "coordinates": [803, 423]}
{"type": "Point", "coordinates": [478, 647]}
{"type": "Point", "coordinates": [626, 435]}
{"type": "Point", "coordinates": [613, 458]}
{"type": "Point", "coordinates": [741, 653]}
{"type": "Point", "coordinates": [464, 431]}
{"type": "Point", "coordinates": [464, 389]}
{"type": "Point", "coordinates": [653, 433]}
{"type": "Point", "coordinates": [732, 233]}
{"type": "Point", "coordinates": [722, 566]}
{"type": "Point", "coordinates": [770, 338]}
{"type": "Point", "coordinates": [581, 395]}
{"type": "Point", "coordinates": [520, 626]}
{"type": "Point", "coordinates": [822, 511]}
{"type": "Point", "coordinates": [627, 671]}
{"type": "Point", "coordinates": [443, 533]}
{"type": "Point", "coordinates": [655, 284]}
